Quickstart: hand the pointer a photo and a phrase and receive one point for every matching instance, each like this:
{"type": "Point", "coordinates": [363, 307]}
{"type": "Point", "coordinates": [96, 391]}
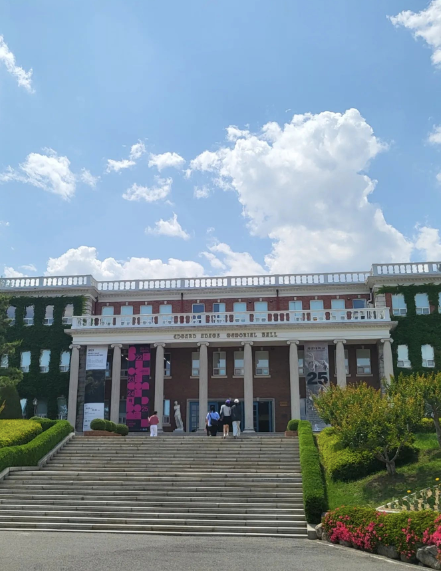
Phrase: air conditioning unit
{"type": "Point", "coordinates": [66, 321]}
{"type": "Point", "coordinates": [48, 321]}
{"type": "Point", "coordinates": [239, 372]}
{"type": "Point", "coordinates": [404, 364]}
{"type": "Point", "coordinates": [44, 369]}
{"type": "Point", "coordinates": [402, 311]}
{"type": "Point", "coordinates": [428, 363]}
{"type": "Point", "coordinates": [28, 320]}
{"type": "Point", "coordinates": [364, 370]}
{"type": "Point", "coordinates": [64, 368]}
{"type": "Point", "coordinates": [423, 310]}
{"type": "Point", "coordinates": [218, 372]}
{"type": "Point", "coordinates": [195, 372]}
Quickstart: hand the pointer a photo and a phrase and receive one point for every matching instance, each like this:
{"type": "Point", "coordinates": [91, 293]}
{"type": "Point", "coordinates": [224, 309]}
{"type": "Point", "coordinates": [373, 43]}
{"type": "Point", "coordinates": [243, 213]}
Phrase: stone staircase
{"type": "Point", "coordinates": [178, 485]}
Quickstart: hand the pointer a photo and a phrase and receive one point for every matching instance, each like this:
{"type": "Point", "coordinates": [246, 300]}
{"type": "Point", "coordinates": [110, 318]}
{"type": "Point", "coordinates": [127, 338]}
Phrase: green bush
{"type": "Point", "coordinates": [346, 464]}
{"type": "Point", "coordinates": [16, 432]}
{"type": "Point", "coordinates": [45, 423]}
{"type": "Point", "coordinates": [98, 424]}
{"type": "Point", "coordinates": [314, 492]}
{"type": "Point", "coordinates": [293, 425]}
{"type": "Point", "coordinates": [111, 426]}
{"type": "Point", "coordinates": [122, 429]}
{"type": "Point", "coordinates": [29, 454]}
{"type": "Point", "coordinates": [9, 395]}
{"type": "Point", "coordinates": [426, 426]}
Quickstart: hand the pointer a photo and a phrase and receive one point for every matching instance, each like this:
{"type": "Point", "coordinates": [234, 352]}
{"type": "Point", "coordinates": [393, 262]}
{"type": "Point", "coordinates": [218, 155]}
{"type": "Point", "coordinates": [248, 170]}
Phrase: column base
{"type": "Point", "coordinates": [248, 431]}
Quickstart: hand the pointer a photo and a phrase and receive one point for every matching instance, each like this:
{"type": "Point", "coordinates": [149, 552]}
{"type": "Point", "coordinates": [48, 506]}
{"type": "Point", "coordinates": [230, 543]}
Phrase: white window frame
{"type": "Point", "coordinates": [338, 313]}
{"type": "Point", "coordinates": [166, 408]}
{"type": "Point", "coordinates": [242, 315]}
{"type": "Point", "coordinates": [399, 308]}
{"type": "Point", "coordinates": [403, 357]}
{"type": "Point", "coordinates": [4, 361]}
{"type": "Point", "coordinates": [314, 315]}
{"type": "Point", "coordinates": [219, 370]}
{"type": "Point", "coordinates": [166, 312]}
{"type": "Point", "coordinates": [167, 371]}
{"type": "Point", "coordinates": [197, 309]}
{"type": "Point", "coordinates": [49, 320]}
{"type": "Point", "coordinates": [296, 310]}
{"type": "Point", "coordinates": [260, 370]}
{"type": "Point", "coordinates": [428, 360]}
{"type": "Point", "coordinates": [107, 313]}
{"type": "Point", "coordinates": [146, 315]}
{"type": "Point", "coordinates": [239, 371]}
{"type": "Point", "coordinates": [25, 368]}
{"type": "Point", "coordinates": [219, 310]}
{"type": "Point", "coordinates": [29, 320]}
{"type": "Point", "coordinates": [419, 307]}
{"type": "Point", "coordinates": [64, 368]}
{"type": "Point", "coordinates": [126, 313]}
{"type": "Point", "coordinates": [364, 369]}
{"type": "Point", "coordinates": [195, 358]}
{"type": "Point", "coordinates": [262, 315]}
{"type": "Point", "coordinates": [67, 319]}
{"type": "Point", "coordinates": [43, 353]}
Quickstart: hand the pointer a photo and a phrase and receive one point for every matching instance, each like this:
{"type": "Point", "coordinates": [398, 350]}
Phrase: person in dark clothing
{"type": "Point", "coordinates": [236, 416]}
{"type": "Point", "coordinates": [212, 420]}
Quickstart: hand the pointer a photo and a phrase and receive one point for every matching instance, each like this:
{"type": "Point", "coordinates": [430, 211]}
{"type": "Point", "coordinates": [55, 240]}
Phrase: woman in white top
{"type": "Point", "coordinates": [225, 414]}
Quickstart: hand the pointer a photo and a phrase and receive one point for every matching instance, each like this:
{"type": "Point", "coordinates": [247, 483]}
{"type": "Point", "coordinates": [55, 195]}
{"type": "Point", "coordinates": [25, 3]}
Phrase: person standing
{"type": "Point", "coordinates": [225, 414]}
{"type": "Point", "coordinates": [236, 416]}
{"type": "Point", "coordinates": [154, 421]}
{"type": "Point", "coordinates": [212, 420]}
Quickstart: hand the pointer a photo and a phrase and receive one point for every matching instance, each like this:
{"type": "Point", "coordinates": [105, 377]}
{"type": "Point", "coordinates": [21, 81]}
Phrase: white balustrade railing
{"type": "Point", "coordinates": [230, 319]}
{"type": "Point", "coordinates": [404, 269]}
{"type": "Point", "coordinates": [48, 282]}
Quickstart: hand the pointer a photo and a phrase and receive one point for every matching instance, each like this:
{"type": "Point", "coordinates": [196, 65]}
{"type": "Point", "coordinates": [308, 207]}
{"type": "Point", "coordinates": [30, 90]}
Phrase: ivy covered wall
{"type": "Point", "coordinates": [415, 330]}
{"type": "Point", "coordinates": [35, 338]}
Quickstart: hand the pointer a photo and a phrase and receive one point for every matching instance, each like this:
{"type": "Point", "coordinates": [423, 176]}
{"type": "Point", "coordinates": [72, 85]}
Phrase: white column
{"type": "Point", "coordinates": [203, 384]}
{"type": "Point", "coordinates": [340, 362]}
{"type": "Point", "coordinates": [116, 383]}
{"type": "Point", "coordinates": [388, 359]}
{"type": "Point", "coordinates": [248, 386]}
{"type": "Point", "coordinates": [159, 382]}
{"type": "Point", "coordinates": [294, 379]}
{"type": "Point", "coordinates": [73, 384]}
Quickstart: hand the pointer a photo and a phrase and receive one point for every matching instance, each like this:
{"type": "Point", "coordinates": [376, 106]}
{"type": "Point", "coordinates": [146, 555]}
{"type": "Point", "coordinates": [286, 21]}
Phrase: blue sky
{"type": "Point", "coordinates": [132, 81]}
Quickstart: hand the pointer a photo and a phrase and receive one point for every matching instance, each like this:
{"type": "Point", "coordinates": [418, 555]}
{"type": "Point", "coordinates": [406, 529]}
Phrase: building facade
{"type": "Point", "coordinates": [209, 339]}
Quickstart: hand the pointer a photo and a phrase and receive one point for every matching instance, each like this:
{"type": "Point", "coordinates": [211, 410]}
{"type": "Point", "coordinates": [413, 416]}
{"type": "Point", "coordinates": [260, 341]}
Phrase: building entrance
{"type": "Point", "coordinates": [262, 415]}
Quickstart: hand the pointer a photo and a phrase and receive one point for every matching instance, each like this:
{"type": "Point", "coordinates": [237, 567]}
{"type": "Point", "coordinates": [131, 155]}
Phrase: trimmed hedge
{"type": "Point", "coordinates": [122, 429]}
{"type": "Point", "coordinates": [293, 425]}
{"type": "Point", "coordinates": [45, 423]}
{"type": "Point", "coordinates": [111, 426]}
{"type": "Point", "coordinates": [16, 432]}
{"type": "Point", "coordinates": [29, 454]}
{"type": "Point", "coordinates": [98, 424]}
{"type": "Point", "coordinates": [346, 464]}
{"type": "Point", "coordinates": [314, 491]}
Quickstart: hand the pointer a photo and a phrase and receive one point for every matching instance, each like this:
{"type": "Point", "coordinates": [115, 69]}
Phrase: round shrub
{"type": "Point", "coordinates": [426, 425]}
{"type": "Point", "coordinates": [111, 426]}
{"type": "Point", "coordinates": [98, 424]}
{"type": "Point", "coordinates": [293, 425]}
{"type": "Point", "coordinates": [122, 429]}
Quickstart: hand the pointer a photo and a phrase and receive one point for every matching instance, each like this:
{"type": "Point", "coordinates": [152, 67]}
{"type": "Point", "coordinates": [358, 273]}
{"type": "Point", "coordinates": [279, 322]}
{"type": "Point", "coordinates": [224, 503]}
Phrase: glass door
{"type": "Point", "coordinates": [263, 416]}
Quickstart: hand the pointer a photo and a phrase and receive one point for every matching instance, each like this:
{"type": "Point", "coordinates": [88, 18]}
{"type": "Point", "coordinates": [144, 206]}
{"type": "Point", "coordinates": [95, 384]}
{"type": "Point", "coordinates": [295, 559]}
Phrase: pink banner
{"type": "Point", "coordinates": [138, 388]}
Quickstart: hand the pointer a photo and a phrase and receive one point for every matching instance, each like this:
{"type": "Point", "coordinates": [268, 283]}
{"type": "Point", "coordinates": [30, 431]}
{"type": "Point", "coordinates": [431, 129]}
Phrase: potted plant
{"type": "Point", "coordinates": [292, 428]}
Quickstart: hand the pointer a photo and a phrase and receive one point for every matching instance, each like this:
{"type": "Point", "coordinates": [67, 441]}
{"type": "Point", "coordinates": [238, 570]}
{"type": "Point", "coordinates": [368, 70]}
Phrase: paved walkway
{"type": "Point", "coordinates": [65, 551]}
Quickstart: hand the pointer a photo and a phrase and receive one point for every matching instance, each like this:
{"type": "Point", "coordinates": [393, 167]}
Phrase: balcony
{"type": "Point", "coordinates": [272, 318]}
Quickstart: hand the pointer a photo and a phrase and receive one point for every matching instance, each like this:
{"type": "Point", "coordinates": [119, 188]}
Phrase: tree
{"type": "Point", "coordinates": [9, 376]}
{"type": "Point", "coordinates": [365, 419]}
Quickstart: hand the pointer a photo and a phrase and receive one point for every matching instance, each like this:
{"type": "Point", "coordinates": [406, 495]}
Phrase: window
{"type": "Point", "coordinates": [358, 303]}
{"type": "Point", "coordinates": [301, 363]}
{"type": "Point", "coordinates": [296, 307]}
{"type": "Point", "coordinates": [428, 355]}
{"type": "Point", "coordinates": [29, 315]}
{"type": "Point", "coordinates": [262, 363]}
{"type": "Point", "coordinates": [219, 363]}
{"type": "Point", "coordinates": [126, 315]}
{"type": "Point", "coordinates": [238, 364]}
{"type": "Point", "coordinates": [25, 361]}
{"type": "Point", "coordinates": [4, 361]}
{"type": "Point", "coordinates": [165, 310]}
{"type": "Point", "coordinates": [220, 309]}
{"type": "Point", "coordinates": [146, 312]}
{"type": "Point", "coordinates": [363, 361]}
{"type": "Point", "coordinates": [10, 313]}
{"type": "Point", "coordinates": [198, 308]}
{"type": "Point", "coordinates": [62, 408]}
{"type": "Point", "coordinates": [41, 408]}
{"type": "Point", "coordinates": [45, 357]}
{"type": "Point", "coordinates": [422, 304]}
{"type": "Point", "coordinates": [195, 364]}
{"type": "Point", "coordinates": [49, 315]}
{"type": "Point", "coordinates": [346, 362]}
{"type": "Point", "coordinates": [316, 307]}
{"type": "Point", "coordinates": [261, 306]}
{"type": "Point", "coordinates": [399, 305]}
{"type": "Point", "coordinates": [68, 314]}
{"type": "Point", "coordinates": [167, 364]}
{"type": "Point", "coordinates": [240, 314]}
{"type": "Point", "coordinates": [339, 306]}
{"type": "Point", "coordinates": [403, 357]}
{"type": "Point", "coordinates": [108, 312]}
{"type": "Point", "coordinates": [166, 414]}
{"type": "Point", "coordinates": [127, 310]}
{"type": "Point", "coordinates": [64, 361]}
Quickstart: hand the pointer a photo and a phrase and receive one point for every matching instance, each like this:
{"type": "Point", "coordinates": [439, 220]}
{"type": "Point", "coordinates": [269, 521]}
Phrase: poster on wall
{"type": "Point", "coordinates": [96, 364]}
{"type": "Point", "coordinates": [316, 366]}
{"type": "Point", "coordinates": [138, 388]}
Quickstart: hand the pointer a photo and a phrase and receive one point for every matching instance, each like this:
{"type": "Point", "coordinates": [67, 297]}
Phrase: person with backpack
{"type": "Point", "coordinates": [236, 416]}
{"type": "Point", "coordinates": [212, 420]}
{"type": "Point", "coordinates": [225, 415]}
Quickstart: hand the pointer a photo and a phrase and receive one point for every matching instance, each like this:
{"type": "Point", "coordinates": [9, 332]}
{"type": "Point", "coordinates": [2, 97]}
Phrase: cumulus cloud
{"type": "Point", "coordinates": [222, 258]}
{"type": "Point", "coordinates": [116, 166]}
{"type": "Point", "coordinates": [435, 135]}
{"type": "Point", "coordinates": [150, 194]}
{"type": "Point", "coordinates": [87, 177]}
{"type": "Point", "coordinates": [428, 241]}
{"type": "Point", "coordinates": [234, 133]}
{"type": "Point", "coordinates": [24, 78]}
{"type": "Point", "coordinates": [170, 228]}
{"type": "Point", "coordinates": [137, 150]}
{"type": "Point", "coordinates": [84, 260]}
{"type": "Point", "coordinates": [201, 192]}
{"type": "Point", "coordinates": [304, 186]}
{"type": "Point", "coordinates": [166, 160]}
{"type": "Point", "coordinates": [49, 172]}
{"type": "Point", "coordinates": [9, 272]}
{"type": "Point", "coordinates": [4, 223]}
{"type": "Point", "coordinates": [29, 267]}
{"type": "Point", "coordinates": [426, 25]}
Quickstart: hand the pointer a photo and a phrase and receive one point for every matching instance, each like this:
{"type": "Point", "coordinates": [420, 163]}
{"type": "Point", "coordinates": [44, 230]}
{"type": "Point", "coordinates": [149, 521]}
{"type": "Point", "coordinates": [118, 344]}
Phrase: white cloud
{"type": "Point", "coordinates": [201, 192]}
{"type": "Point", "coordinates": [137, 150]}
{"type": "Point", "coordinates": [150, 194]}
{"type": "Point", "coordinates": [116, 166]}
{"type": "Point", "coordinates": [9, 272]}
{"type": "Point", "coordinates": [429, 242]}
{"type": "Point", "coordinates": [84, 260]}
{"type": "Point", "coordinates": [29, 268]}
{"type": "Point", "coordinates": [24, 78]}
{"type": "Point", "coordinates": [426, 25]}
{"type": "Point", "coordinates": [49, 172]}
{"type": "Point", "coordinates": [4, 223]}
{"type": "Point", "coordinates": [435, 135]}
{"type": "Point", "coordinates": [166, 160]}
{"type": "Point", "coordinates": [303, 185]}
{"type": "Point", "coordinates": [87, 177]}
{"type": "Point", "coordinates": [222, 257]}
{"type": "Point", "coordinates": [438, 177]}
{"type": "Point", "coordinates": [234, 133]}
{"type": "Point", "coordinates": [169, 228]}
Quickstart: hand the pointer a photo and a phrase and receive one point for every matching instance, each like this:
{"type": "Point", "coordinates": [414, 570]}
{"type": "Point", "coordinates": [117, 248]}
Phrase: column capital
{"type": "Point", "coordinates": [389, 339]}
{"type": "Point", "coordinates": [116, 345]}
{"type": "Point", "coordinates": [339, 341]}
{"type": "Point", "coordinates": [246, 343]}
{"type": "Point", "coordinates": [74, 346]}
{"type": "Point", "coordinates": [203, 343]}
{"type": "Point", "coordinates": [293, 342]}
{"type": "Point", "coordinates": [158, 344]}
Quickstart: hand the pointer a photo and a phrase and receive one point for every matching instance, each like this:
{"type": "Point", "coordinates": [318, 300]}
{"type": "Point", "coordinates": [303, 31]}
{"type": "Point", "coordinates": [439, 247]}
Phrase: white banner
{"type": "Point", "coordinates": [96, 358]}
{"type": "Point", "coordinates": [316, 367]}
{"type": "Point", "coordinates": [91, 411]}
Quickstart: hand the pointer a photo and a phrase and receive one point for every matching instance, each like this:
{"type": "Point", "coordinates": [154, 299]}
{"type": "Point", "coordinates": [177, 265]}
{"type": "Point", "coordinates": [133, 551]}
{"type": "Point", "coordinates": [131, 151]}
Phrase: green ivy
{"type": "Point", "coordinates": [415, 330]}
{"type": "Point", "coordinates": [35, 338]}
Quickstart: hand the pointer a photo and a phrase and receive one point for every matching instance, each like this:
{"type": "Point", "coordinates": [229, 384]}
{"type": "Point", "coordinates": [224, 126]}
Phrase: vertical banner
{"type": "Point", "coordinates": [96, 363]}
{"type": "Point", "coordinates": [138, 388]}
{"type": "Point", "coordinates": [316, 365]}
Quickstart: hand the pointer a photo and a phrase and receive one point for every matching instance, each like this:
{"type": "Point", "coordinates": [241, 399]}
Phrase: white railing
{"type": "Point", "coordinates": [47, 282]}
{"type": "Point", "coordinates": [230, 319]}
{"type": "Point", "coordinates": [404, 269]}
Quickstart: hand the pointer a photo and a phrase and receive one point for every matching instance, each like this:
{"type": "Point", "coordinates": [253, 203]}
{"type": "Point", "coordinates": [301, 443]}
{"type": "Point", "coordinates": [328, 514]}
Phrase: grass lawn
{"type": "Point", "coordinates": [377, 489]}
